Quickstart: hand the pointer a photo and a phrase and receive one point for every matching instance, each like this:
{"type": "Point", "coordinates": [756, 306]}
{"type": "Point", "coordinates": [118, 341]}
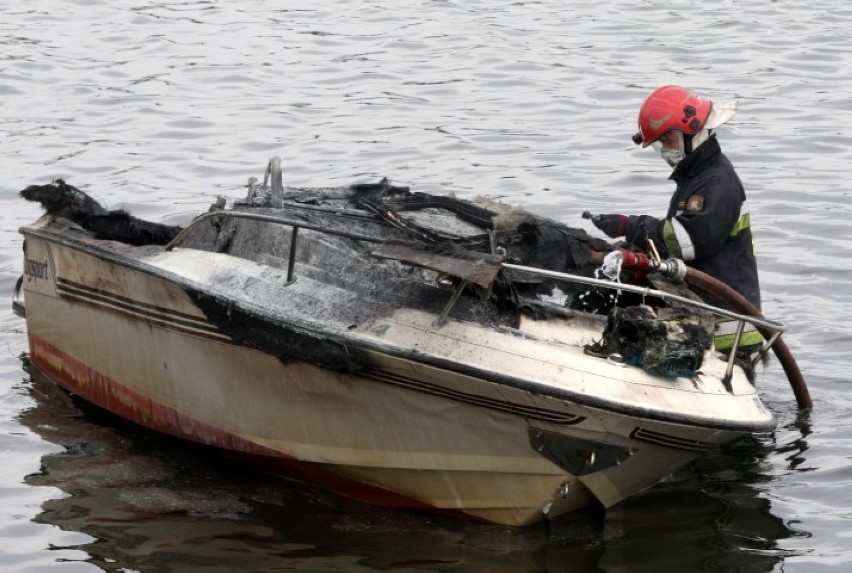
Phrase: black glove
{"type": "Point", "coordinates": [613, 225]}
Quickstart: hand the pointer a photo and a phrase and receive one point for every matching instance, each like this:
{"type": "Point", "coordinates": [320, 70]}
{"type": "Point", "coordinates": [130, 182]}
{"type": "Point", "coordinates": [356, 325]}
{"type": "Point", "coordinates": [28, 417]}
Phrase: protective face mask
{"type": "Point", "coordinates": [672, 156]}
{"type": "Point", "coordinates": [671, 147]}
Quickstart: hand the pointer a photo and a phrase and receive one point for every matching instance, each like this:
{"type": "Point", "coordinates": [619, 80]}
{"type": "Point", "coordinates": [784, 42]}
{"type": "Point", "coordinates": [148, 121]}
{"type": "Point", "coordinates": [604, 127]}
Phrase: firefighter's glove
{"type": "Point", "coordinates": [613, 225]}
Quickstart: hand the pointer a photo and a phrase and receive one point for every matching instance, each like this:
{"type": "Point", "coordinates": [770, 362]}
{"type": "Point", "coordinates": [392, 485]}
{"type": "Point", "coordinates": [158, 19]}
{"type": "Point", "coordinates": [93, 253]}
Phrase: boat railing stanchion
{"type": "Point", "coordinates": [729, 371]}
{"type": "Point", "coordinates": [449, 306]}
{"type": "Point", "coordinates": [765, 348]}
{"type": "Point", "coordinates": [291, 261]}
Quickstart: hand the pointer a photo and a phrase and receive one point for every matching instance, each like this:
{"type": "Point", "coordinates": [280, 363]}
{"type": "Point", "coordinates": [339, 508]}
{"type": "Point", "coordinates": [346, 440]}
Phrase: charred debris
{"type": "Point", "coordinates": [415, 243]}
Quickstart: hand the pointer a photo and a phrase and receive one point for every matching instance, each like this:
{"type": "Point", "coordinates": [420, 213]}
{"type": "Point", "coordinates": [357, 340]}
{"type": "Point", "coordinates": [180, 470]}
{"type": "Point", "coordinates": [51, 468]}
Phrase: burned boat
{"type": "Point", "coordinates": [400, 348]}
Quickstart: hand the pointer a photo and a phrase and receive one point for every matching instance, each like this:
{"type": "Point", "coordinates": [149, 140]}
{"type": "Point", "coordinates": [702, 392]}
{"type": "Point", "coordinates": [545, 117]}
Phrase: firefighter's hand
{"type": "Point", "coordinates": [613, 225]}
{"type": "Point", "coordinates": [596, 257]}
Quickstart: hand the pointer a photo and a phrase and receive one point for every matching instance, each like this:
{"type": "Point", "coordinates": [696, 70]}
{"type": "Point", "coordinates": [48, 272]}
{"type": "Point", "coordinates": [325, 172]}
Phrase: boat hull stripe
{"type": "Point", "coordinates": [669, 441]}
{"type": "Point", "coordinates": [136, 309]}
{"type": "Point", "coordinates": [531, 412]}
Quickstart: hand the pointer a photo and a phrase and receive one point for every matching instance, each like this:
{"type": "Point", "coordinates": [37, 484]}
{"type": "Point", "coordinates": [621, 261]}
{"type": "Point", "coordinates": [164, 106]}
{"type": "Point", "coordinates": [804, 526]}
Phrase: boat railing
{"type": "Point", "coordinates": [647, 292]}
{"type": "Point", "coordinates": [773, 328]}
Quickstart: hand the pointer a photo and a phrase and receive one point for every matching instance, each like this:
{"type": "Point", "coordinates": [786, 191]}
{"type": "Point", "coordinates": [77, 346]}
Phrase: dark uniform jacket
{"type": "Point", "coordinates": [707, 224]}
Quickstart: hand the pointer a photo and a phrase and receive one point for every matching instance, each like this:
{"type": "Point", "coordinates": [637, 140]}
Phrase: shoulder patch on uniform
{"type": "Point", "coordinates": [695, 204]}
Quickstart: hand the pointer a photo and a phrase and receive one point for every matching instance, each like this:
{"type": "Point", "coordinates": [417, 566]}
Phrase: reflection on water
{"type": "Point", "coordinates": [147, 502]}
{"type": "Point", "coordinates": [797, 447]}
{"type": "Point", "coordinates": [713, 516]}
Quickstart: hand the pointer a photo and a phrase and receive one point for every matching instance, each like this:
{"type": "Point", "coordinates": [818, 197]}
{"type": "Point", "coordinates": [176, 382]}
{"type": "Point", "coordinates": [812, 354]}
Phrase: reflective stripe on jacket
{"type": "Point", "coordinates": [726, 332]}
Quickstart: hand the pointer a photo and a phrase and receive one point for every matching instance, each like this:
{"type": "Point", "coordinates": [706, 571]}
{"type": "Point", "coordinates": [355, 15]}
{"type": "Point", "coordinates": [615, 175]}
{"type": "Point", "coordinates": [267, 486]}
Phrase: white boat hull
{"type": "Point", "coordinates": [404, 432]}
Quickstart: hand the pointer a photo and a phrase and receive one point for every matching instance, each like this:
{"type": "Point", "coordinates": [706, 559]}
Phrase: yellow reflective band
{"type": "Point", "coordinates": [741, 225]}
{"type": "Point", "coordinates": [730, 326]}
{"type": "Point", "coordinates": [726, 341]}
{"type": "Point", "coordinates": [670, 239]}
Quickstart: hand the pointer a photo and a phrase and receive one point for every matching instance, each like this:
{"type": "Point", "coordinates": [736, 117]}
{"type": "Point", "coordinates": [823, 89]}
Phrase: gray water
{"type": "Point", "coordinates": [158, 106]}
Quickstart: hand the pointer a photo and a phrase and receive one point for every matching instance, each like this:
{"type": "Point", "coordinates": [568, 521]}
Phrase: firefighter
{"type": "Point", "coordinates": [707, 223]}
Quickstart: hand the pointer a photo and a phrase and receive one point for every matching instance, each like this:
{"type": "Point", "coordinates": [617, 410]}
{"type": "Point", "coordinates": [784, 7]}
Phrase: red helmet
{"type": "Point", "coordinates": [671, 107]}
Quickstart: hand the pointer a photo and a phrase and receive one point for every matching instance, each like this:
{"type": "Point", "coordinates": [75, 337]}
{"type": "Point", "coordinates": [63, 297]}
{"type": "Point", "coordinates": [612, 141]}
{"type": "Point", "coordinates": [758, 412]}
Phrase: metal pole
{"type": "Point", "coordinates": [291, 262]}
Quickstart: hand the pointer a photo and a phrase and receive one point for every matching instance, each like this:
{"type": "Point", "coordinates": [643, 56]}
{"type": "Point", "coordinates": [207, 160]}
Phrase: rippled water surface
{"type": "Point", "coordinates": [160, 106]}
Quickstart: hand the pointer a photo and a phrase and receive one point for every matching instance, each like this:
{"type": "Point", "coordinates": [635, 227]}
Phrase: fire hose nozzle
{"type": "Point", "coordinates": [673, 269]}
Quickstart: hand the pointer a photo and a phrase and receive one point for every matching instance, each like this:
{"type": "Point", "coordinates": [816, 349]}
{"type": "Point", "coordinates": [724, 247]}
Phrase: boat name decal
{"type": "Point", "coordinates": [34, 269]}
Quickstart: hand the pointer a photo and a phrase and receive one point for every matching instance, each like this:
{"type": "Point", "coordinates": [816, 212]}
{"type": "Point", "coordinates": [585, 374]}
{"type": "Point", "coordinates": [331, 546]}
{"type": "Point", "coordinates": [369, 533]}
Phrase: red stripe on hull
{"type": "Point", "coordinates": [101, 390]}
{"type": "Point", "coordinates": [78, 378]}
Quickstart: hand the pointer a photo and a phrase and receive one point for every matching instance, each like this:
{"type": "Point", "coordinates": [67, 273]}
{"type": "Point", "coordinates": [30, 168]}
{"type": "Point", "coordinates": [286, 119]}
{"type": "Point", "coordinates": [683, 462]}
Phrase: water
{"type": "Point", "coordinates": [159, 106]}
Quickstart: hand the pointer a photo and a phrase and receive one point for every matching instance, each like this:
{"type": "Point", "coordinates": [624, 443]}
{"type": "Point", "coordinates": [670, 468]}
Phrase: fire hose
{"type": "Point", "coordinates": [678, 271]}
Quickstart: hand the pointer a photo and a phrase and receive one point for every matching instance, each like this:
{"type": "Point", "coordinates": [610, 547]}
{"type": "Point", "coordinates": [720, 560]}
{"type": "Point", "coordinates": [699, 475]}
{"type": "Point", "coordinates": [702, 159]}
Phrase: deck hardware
{"type": "Point", "coordinates": [765, 348]}
{"type": "Point", "coordinates": [729, 371]}
{"type": "Point", "coordinates": [450, 305]}
{"type": "Point", "coordinates": [273, 172]}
